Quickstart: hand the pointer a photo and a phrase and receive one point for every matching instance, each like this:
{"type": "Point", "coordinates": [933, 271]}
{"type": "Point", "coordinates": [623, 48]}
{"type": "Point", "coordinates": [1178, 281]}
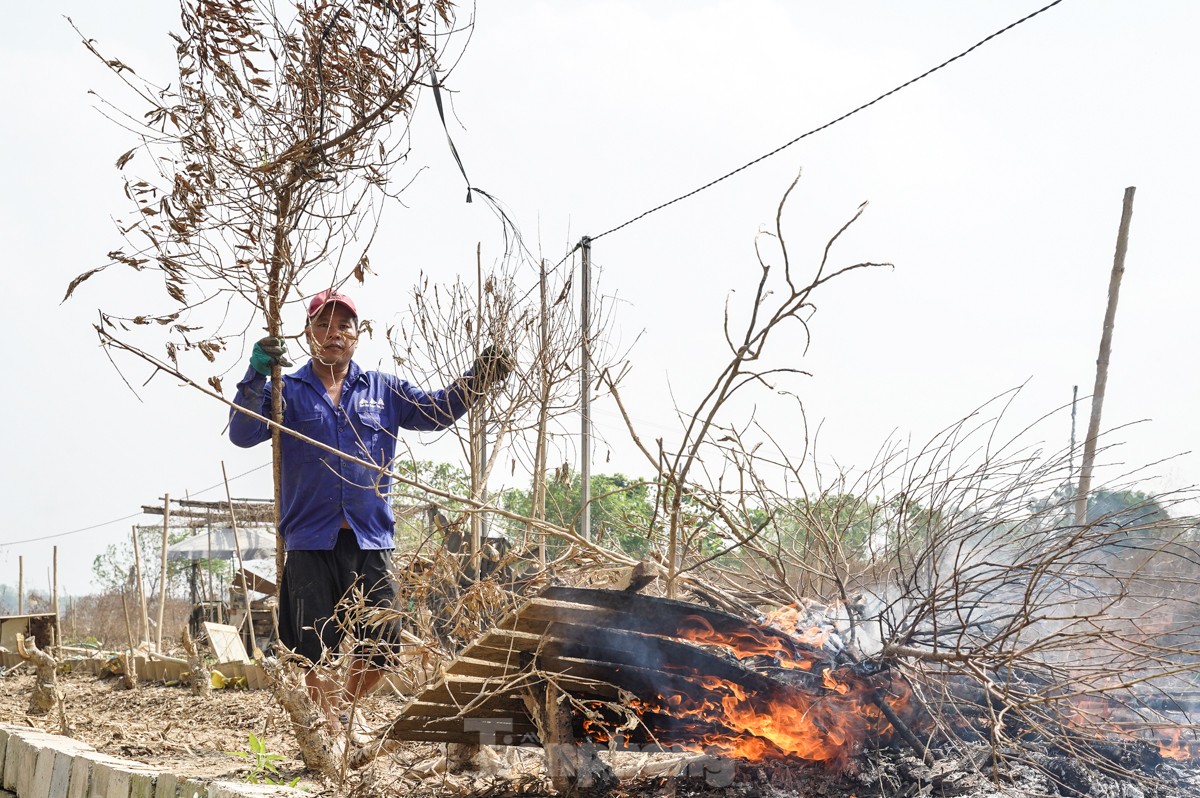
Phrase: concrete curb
{"type": "Point", "coordinates": [34, 764]}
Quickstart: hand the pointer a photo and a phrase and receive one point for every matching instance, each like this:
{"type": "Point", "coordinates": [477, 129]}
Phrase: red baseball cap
{"type": "Point", "coordinates": [325, 297]}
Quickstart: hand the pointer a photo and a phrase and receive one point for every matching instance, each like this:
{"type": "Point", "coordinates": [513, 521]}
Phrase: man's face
{"type": "Point", "coordinates": [333, 333]}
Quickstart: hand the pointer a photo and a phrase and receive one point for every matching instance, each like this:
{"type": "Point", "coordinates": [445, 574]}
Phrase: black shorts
{"type": "Point", "coordinates": [318, 606]}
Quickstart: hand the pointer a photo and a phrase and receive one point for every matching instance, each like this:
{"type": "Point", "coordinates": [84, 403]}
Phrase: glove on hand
{"type": "Point", "coordinates": [493, 365]}
{"type": "Point", "coordinates": [268, 352]}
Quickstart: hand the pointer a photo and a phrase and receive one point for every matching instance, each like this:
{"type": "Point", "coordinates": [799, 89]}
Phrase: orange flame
{"type": "Point", "coordinates": [825, 720]}
{"type": "Point", "coordinates": [751, 642]}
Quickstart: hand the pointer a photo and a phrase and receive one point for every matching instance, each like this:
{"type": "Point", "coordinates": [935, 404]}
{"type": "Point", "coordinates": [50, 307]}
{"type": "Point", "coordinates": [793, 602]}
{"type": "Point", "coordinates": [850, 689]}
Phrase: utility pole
{"type": "Point", "coordinates": [1110, 315]}
{"type": "Point", "coordinates": [585, 399]}
{"type": "Point", "coordinates": [1071, 453]}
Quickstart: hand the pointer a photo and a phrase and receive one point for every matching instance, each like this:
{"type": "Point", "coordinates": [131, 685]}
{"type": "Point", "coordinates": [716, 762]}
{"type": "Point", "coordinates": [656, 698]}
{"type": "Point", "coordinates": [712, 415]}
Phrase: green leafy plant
{"type": "Point", "coordinates": [262, 764]}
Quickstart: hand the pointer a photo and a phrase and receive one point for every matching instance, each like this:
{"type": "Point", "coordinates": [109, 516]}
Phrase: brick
{"type": "Point", "coordinates": [141, 785]}
{"type": "Point", "coordinates": [192, 789]}
{"type": "Point", "coordinates": [26, 765]}
{"type": "Point", "coordinates": [118, 784]}
{"type": "Point", "coordinates": [60, 778]}
{"type": "Point", "coordinates": [12, 755]}
{"type": "Point", "coordinates": [113, 777]}
{"type": "Point", "coordinates": [80, 785]}
{"type": "Point", "coordinates": [167, 786]}
{"type": "Point", "coordinates": [4, 735]}
{"type": "Point", "coordinates": [39, 785]}
{"type": "Point", "coordinates": [108, 778]}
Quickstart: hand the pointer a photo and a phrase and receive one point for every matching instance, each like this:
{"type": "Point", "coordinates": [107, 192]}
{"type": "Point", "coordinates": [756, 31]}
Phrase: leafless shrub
{"type": "Point", "coordinates": [958, 564]}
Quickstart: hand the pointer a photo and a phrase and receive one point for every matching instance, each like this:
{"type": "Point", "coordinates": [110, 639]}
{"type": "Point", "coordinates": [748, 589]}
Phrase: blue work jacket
{"type": "Point", "coordinates": [318, 488]}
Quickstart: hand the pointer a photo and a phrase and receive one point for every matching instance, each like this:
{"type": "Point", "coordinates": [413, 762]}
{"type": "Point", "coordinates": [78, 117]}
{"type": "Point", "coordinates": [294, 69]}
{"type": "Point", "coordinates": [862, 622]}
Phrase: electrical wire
{"type": "Point", "coordinates": [829, 124]}
{"type": "Point", "coordinates": [127, 517]}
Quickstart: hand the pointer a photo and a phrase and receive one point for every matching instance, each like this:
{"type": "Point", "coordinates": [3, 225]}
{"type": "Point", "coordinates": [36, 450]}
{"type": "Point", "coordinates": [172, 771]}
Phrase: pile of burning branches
{"type": "Point", "coordinates": [946, 600]}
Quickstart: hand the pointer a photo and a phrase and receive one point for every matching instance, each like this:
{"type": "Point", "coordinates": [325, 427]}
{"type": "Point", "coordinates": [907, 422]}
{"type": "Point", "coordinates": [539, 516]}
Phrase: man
{"type": "Point", "coordinates": [335, 519]}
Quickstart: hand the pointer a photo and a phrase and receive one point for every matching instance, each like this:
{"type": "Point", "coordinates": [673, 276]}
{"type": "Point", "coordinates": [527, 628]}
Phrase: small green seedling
{"type": "Point", "coordinates": [262, 764]}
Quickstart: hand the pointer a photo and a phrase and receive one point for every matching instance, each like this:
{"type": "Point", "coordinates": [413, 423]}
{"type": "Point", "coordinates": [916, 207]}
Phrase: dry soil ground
{"type": "Point", "coordinates": [174, 730]}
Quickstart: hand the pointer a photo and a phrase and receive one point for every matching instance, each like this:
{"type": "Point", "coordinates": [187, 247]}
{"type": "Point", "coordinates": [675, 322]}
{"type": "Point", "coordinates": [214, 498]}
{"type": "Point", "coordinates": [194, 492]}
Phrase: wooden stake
{"type": "Point", "coordinates": [1110, 315]}
{"type": "Point", "coordinates": [128, 625]}
{"type": "Point", "coordinates": [137, 569]}
{"type": "Point", "coordinates": [162, 581]}
{"type": "Point", "coordinates": [237, 552]}
{"type": "Point", "coordinates": [477, 426]}
{"type": "Point", "coordinates": [54, 585]}
{"type": "Point", "coordinates": [54, 598]}
{"type": "Point", "coordinates": [573, 766]}
{"type": "Point", "coordinates": [538, 509]}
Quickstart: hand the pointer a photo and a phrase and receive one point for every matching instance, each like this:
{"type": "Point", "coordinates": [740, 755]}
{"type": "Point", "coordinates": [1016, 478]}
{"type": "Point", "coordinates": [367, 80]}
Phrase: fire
{"type": "Point", "coordinates": [1172, 746]}
{"type": "Point", "coordinates": [819, 718]}
{"type": "Point", "coordinates": [753, 641]}
{"type": "Point", "coordinates": [815, 725]}
{"type": "Point", "coordinates": [1121, 722]}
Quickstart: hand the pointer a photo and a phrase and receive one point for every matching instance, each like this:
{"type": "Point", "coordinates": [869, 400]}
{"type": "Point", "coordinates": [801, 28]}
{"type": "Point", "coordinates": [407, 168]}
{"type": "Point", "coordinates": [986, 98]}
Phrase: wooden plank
{"type": "Point", "coordinates": [500, 706]}
{"type": "Point", "coordinates": [512, 726]}
{"type": "Point", "coordinates": [469, 738]}
{"type": "Point", "coordinates": [468, 666]}
{"type": "Point", "coordinates": [225, 642]}
{"type": "Point", "coordinates": [635, 612]}
{"type": "Point", "coordinates": [596, 643]}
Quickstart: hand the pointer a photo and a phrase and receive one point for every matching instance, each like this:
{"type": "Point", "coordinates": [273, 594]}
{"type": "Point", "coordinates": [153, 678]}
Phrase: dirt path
{"type": "Point", "coordinates": [171, 729]}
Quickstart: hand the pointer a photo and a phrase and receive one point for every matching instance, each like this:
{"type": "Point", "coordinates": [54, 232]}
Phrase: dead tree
{"type": "Point", "coordinates": [446, 325]}
{"type": "Point", "coordinates": [262, 167]}
{"type": "Point", "coordinates": [782, 299]}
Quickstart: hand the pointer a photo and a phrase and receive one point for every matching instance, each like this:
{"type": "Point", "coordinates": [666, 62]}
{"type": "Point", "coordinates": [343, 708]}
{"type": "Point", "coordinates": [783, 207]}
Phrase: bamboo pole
{"type": "Point", "coordinates": [477, 429]}
{"type": "Point", "coordinates": [128, 625]}
{"type": "Point", "coordinates": [585, 388]}
{"type": "Point", "coordinates": [20, 585]}
{"type": "Point", "coordinates": [208, 563]}
{"type": "Point", "coordinates": [54, 598]}
{"type": "Point", "coordinates": [162, 580]}
{"type": "Point", "coordinates": [130, 677]}
{"type": "Point", "coordinates": [538, 508]}
{"type": "Point", "coordinates": [137, 569]}
{"type": "Point", "coordinates": [1110, 315]}
{"type": "Point", "coordinates": [1071, 454]}
{"type": "Point", "coordinates": [237, 553]}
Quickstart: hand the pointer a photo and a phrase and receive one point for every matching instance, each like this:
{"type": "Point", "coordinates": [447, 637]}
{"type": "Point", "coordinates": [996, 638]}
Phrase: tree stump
{"type": "Point", "coordinates": [319, 749]}
{"type": "Point", "coordinates": [45, 695]}
{"type": "Point", "coordinates": [129, 675]}
{"type": "Point", "coordinates": [575, 769]}
{"type": "Point", "coordinates": [201, 673]}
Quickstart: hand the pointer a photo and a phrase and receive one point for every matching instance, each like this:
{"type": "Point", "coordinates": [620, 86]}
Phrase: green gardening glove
{"type": "Point", "coordinates": [268, 352]}
{"type": "Point", "coordinates": [493, 365]}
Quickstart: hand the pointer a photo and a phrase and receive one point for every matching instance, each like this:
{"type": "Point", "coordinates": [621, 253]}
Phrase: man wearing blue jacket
{"type": "Point", "coordinates": [335, 518]}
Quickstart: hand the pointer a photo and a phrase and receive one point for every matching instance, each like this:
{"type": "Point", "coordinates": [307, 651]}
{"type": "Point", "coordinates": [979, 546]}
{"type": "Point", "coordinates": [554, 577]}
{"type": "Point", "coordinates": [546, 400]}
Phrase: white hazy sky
{"type": "Point", "coordinates": [995, 188]}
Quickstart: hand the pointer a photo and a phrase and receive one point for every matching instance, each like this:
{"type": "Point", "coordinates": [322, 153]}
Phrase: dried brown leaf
{"type": "Point", "coordinates": [126, 158]}
{"type": "Point", "coordinates": [362, 268]}
{"type": "Point", "coordinates": [215, 382]}
{"type": "Point", "coordinates": [75, 283]}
